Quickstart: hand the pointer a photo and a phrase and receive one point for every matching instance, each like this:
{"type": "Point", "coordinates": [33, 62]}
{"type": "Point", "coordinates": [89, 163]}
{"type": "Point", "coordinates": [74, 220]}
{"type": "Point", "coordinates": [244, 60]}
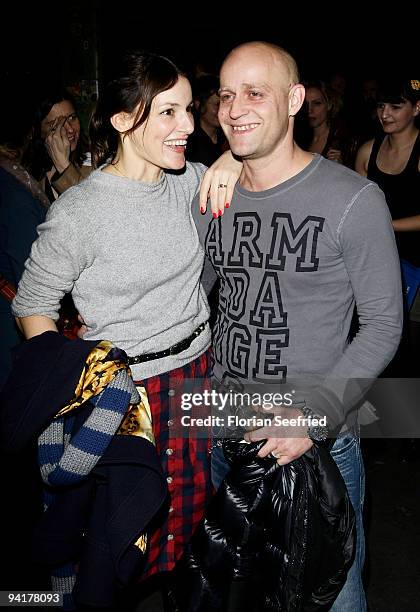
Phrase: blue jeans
{"type": "Point", "coordinates": [219, 465]}
{"type": "Point", "coordinates": [347, 455]}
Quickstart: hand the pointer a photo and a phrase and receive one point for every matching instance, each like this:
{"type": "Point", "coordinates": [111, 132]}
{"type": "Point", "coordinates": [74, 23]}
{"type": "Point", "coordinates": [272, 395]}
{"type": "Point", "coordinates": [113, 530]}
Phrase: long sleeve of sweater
{"type": "Point", "coordinates": [371, 260]}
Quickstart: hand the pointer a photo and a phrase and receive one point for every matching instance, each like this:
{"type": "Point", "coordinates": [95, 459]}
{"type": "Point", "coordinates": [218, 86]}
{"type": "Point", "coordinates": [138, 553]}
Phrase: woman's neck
{"type": "Point", "coordinates": [320, 132]}
{"type": "Point", "coordinates": [404, 139]}
{"type": "Point", "coordinates": [136, 168]}
{"type": "Point", "coordinates": [319, 138]}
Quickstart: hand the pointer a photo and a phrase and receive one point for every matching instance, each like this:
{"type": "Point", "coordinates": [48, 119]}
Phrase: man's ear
{"type": "Point", "coordinates": [296, 99]}
{"type": "Point", "coordinates": [122, 121]}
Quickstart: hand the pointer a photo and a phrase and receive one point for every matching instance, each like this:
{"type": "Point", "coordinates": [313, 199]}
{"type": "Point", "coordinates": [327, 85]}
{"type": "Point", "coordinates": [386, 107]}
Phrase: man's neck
{"type": "Point", "coordinates": [262, 174]}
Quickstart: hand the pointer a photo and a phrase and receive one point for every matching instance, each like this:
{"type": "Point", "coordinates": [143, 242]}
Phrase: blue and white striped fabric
{"type": "Point", "coordinates": [64, 460]}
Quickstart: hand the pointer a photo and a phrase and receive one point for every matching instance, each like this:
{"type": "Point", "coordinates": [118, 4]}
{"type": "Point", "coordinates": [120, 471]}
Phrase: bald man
{"type": "Point", "coordinates": [303, 242]}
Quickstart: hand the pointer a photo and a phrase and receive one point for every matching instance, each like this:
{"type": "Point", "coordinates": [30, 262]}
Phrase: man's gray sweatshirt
{"type": "Point", "coordinates": [293, 261]}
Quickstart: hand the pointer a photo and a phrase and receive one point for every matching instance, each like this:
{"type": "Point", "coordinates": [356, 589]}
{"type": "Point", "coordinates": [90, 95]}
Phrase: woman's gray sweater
{"type": "Point", "coordinates": [130, 255]}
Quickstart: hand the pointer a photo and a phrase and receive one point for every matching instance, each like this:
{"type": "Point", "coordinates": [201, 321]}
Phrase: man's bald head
{"type": "Point", "coordinates": [274, 53]}
{"type": "Point", "coordinates": [259, 97]}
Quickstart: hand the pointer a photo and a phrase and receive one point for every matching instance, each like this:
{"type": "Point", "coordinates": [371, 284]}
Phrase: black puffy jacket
{"type": "Point", "coordinates": [273, 538]}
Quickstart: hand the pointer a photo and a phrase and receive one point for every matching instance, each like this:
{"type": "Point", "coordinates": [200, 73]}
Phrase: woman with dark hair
{"type": "Point", "coordinates": [56, 152]}
{"type": "Point", "coordinates": [392, 160]}
{"type": "Point", "coordinates": [124, 243]}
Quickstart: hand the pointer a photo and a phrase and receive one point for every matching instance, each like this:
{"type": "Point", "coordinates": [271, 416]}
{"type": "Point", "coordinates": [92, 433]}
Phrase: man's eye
{"type": "Point", "coordinates": [72, 117]}
{"type": "Point", "coordinates": [255, 94]}
{"type": "Point", "coordinates": [225, 97]}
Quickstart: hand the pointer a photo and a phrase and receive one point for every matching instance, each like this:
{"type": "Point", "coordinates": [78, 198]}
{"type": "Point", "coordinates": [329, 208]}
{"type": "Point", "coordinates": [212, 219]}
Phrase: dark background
{"type": "Point", "coordinates": [77, 40]}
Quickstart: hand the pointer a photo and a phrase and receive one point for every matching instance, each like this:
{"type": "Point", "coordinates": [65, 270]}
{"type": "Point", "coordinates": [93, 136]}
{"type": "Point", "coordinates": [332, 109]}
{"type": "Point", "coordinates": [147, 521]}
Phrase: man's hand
{"type": "Point", "coordinates": [286, 443]}
{"type": "Point", "coordinates": [219, 183]}
{"type": "Point", "coordinates": [284, 449]}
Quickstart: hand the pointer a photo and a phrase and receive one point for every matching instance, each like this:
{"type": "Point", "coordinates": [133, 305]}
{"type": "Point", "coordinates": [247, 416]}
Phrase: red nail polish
{"type": "Point", "coordinates": [215, 215]}
{"type": "Point", "coordinates": [220, 213]}
{"type": "Point", "coordinates": [202, 210]}
{"type": "Point", "coordinates": [227, 205]}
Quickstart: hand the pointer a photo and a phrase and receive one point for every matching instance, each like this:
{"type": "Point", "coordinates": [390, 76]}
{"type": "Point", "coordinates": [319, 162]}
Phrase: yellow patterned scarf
{"type": "Point", "coordinates": [97, 373]}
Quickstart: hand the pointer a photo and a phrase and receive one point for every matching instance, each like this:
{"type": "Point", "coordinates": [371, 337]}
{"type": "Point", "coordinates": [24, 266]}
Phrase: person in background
{"type": "Point", "coordinates": [320, 130]}
{"type": "Point", "coordinates": [392, 160]}
{"type": "Point", "coordinates": [56, 153]}
{"type": "Point", "coordinates": [207, 142]}
{"type": "Point", "coordinates": [23, 206]}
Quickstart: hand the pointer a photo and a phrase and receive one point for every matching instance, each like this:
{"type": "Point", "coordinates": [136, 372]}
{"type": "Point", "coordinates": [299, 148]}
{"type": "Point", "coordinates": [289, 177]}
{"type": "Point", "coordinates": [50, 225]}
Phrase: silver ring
{"type": "Point", "coordinates": [222, 186]}
{"type": "Point", "coordinates": [275, 456]}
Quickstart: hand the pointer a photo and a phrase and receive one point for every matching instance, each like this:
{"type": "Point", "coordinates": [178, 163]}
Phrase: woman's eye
{"type": "Point", "coordinates": [168, 111]}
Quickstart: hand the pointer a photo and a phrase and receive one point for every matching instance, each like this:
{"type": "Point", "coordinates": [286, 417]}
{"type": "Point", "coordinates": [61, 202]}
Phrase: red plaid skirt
{"type": "Point", "coordinates": [186, 465]}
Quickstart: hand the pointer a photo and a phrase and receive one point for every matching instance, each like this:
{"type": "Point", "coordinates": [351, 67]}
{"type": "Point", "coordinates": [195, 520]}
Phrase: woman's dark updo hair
{"type": "Point", "coordinates": [138, 79]}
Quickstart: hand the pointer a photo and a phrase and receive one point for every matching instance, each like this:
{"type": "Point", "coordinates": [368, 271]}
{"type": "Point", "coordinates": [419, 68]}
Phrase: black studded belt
{"type": "Point", "coordinates": [172, 350]}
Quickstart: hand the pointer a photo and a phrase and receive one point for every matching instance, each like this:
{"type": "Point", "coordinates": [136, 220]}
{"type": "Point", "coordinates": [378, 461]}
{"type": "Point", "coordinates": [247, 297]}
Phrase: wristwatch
{"type": "Point", "coordinates": [316, 433]}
